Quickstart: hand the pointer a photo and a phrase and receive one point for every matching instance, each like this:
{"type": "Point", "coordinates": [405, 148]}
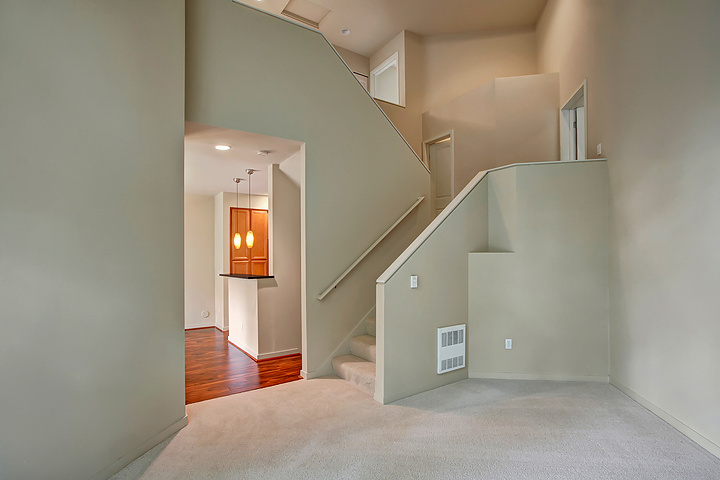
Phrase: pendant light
{"type": "Point", "coordinates": [237, 239]}
{"type": "Point", "coordinates": [250, 237]}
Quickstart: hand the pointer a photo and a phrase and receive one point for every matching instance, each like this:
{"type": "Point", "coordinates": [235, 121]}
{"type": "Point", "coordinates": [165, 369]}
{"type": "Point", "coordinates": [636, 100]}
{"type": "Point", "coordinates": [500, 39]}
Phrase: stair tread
{"type": "Point", "coordinates": [363, 346]}
{"type": "Point", "coordinates": [357, 371]}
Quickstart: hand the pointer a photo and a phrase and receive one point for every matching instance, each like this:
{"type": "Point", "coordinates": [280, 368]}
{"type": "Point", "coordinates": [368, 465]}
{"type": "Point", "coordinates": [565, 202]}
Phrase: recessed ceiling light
{"type": "Point", "coordinates": [345, 31]}
{"type": "Point", "coordinates": [263, 153]}
{"type": "Point", "coordinates": [222, 147]}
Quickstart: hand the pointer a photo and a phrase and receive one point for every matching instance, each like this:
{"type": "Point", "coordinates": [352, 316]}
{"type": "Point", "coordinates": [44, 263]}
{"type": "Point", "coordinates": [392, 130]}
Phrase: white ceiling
{"type": "Point", "coordinates": [209, 171]}
{"type": "Point", "coordinates": [374, 22]}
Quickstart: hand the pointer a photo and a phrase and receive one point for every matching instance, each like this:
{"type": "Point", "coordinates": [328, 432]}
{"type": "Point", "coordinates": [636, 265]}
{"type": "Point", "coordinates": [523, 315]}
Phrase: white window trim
{"type": "Point", "coordinates": [393, 59]}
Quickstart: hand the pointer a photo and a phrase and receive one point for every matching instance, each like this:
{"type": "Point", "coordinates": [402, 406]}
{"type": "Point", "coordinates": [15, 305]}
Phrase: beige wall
{"type": "Point", "coordinates": [224, 201]}
{"type": "Point", "coordinates": [456, 64]}
{"type": "Point", "coordinates": [654, 106]}
{"type": "Point", "coordinates": [507, 120]}
{"type": "Point", "coordinates": [199, 254]}
{"type": "Point", "coordinates": [357, 63]}
{"type": "Point", "coordinates": [92, 267]}
{"type": "Point", "coordinates": [544, 281]}
{"type": "Point", "coordinates": [304, 92]}
{"type": "Point", "coordinates": [437, 71]}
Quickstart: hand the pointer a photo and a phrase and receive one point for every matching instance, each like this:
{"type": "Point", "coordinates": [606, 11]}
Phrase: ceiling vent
{"type": "Point", "coordinates": [306, 12]}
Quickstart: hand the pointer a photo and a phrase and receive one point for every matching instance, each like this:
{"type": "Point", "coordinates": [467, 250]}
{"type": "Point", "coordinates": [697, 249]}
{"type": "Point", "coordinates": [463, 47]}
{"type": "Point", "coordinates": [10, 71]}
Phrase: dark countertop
{"type": "Point", "coordinates": [246, 276]}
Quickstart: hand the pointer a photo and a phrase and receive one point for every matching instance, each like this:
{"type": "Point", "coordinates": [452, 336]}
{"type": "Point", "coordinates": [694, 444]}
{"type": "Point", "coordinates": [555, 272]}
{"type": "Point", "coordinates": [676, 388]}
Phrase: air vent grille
{"type": "Point", "coordinates": [451, 348]}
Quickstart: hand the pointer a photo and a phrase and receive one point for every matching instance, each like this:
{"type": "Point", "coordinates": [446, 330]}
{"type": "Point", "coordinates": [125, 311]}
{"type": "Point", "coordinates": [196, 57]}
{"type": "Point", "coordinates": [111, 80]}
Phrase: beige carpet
{"type": "Point", "coordinates": [327, 429]}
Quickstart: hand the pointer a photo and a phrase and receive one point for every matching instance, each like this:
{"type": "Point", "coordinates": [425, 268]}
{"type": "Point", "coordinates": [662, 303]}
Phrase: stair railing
{"type": "Point", "coordinates": [369, 249]}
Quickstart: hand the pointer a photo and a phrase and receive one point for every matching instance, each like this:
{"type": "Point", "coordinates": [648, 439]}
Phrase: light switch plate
{"type": "Point", "coordinates": [413, 281]}
{"type": "Point", "coordinates": [508, 344]}
{"type": "Point", "coordinates": [599, 149]}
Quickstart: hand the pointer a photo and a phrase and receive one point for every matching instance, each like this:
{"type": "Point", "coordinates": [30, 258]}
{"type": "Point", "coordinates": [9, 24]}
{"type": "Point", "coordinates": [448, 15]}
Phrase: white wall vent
{"type": "Point", "coordinates": [451, 348]}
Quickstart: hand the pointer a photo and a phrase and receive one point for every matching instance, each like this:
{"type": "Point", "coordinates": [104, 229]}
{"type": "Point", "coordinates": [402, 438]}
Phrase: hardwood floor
{"type": "Point", "coordinates": [215, 368]}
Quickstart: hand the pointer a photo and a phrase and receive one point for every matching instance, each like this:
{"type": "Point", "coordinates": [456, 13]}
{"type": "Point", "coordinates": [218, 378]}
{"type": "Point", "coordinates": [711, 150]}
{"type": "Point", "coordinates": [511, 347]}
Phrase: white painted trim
{"type": "Point", "coordinates": [409, 251]}
{"type": "Point", "coordinates": [426, 158]}
{"type": "Point", "coordinates": [693, 435]}
{"type": "Point", "coordinates": [541, 376]}
{"type": "Point", "coordinates": [280, 353]}
{"type": "Point", "coordinates": [369, 249]}
{"type": "Point", "coordinates": [200, 325]}
{"type": "Point", "coordinates": [238, 2]}
{"type": "Point", "coordinates": [141, 449]}
{"type": "Point", "coordinates": [564, 119]}
{"type": "Point", "coordinates": [393, 59]}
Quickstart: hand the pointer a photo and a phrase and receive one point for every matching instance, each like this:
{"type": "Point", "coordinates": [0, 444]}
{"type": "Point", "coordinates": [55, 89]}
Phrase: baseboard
{"type": "Point", "coordinates": [140, 450]}
{"type": "Point", "coordinates": [282, 353]}
{"type": "Point", "coordinates": [541, 376]}
{"type": "Point", "coordinates": [693, 435]}
{"type": "Point", "coordinates": [200, 328]}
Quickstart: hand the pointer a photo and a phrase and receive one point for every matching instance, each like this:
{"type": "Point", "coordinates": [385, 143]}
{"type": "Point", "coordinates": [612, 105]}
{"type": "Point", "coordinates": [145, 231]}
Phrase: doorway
{"type": "Point", "coordinates": [227, 351]}
{"type": "Point", "coordinates": [573, 126]}
{"type": "Point", "coordinates": [439, 154]}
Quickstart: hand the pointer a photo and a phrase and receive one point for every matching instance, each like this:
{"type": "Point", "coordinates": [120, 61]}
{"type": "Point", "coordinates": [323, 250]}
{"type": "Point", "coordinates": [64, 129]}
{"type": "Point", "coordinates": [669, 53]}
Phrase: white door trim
{"type": "Point", "coordinates": [448, 136]}
{"type": "Point", "coordinates": [566, 119]}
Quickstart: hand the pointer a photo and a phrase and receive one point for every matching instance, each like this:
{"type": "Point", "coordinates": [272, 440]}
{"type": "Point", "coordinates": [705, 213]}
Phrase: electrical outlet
{"type": "Point", "coordinates": [508, 344]}
{"type": "Point", "coordinates": [413, 281]}
{"type": "Point", "coordinates": [599, 149]}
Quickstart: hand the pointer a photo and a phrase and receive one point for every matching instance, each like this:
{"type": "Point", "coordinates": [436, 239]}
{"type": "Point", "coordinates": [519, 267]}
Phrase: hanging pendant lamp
{"type": "Point", "coordinates": [250, 237]}
{"type": "Point", "coordinates": [237, 238]}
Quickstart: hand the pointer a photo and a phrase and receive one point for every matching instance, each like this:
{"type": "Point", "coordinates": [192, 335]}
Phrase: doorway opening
{"type": "Point", "coordinates": [439, 157]}
{"type": "Point", "coordinates": [243, 315]}
{"type": "Point", "coordinates": [573, 126]}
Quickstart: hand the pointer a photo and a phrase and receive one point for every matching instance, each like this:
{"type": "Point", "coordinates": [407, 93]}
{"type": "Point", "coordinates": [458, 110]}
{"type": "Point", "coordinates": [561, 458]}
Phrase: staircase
{"type": "Point", "coordinates": [358, 368]}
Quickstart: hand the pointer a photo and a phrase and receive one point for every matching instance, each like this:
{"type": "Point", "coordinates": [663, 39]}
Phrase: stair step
{"type": "Point", "coordinates": [363, 346]}
{"type": "Point", "coordinates": [370, 326]}
{"type": "Point", "coordinates": [357, 371]}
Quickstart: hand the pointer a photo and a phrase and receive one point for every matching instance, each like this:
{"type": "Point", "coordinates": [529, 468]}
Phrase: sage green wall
{"type": "Point", "coordinates": [548, 289]}
{"type": "Point", "coordinates": [249, 71]}
{"type": "Point", "coordinates": [652, 68]}
{"type": "Point", "coordinates": [91, 287]}
{"type": "Point", "coordinates": [407, 319]}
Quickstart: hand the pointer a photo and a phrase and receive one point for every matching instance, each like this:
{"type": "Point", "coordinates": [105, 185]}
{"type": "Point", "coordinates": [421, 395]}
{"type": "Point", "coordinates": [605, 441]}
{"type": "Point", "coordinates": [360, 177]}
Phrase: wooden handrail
{"type": "Point", "coordinates": [369, 249]}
